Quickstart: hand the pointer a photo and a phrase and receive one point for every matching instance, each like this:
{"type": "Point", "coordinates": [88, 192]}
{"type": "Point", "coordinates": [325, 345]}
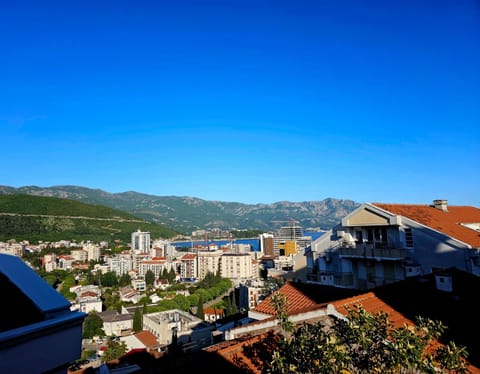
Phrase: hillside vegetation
{"type": "Point", "coordinates": [186, 214]}
{"type": "Point", "coordinates": [35, 218]}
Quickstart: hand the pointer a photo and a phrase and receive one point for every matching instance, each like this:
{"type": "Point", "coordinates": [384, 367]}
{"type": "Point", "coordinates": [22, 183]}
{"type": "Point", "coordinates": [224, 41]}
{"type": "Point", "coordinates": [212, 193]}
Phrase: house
{"type": "Point", "coordinates": [38, 331]}
{"type": "Point", "coordinates": [141, 340]}
{"type": "Point", "coordinates": [443, 296]}
{"type": "Point", "coordinates": [379, 244]}
{"type": "Point", "coordinates": [116, 324]}
{"type": "Point", "coordinates": [178, 327]}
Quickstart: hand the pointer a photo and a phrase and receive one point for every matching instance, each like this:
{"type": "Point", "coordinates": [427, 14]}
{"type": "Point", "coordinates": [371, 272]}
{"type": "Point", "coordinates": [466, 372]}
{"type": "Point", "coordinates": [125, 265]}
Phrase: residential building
{"type": "Point", "coordinates": [188, 267]}
{"type": "Point", "coordinates": [236, 266]}
{"type": "Point", "coordinates": [140, 242]}
{"type": "Point", "coordinates": [120, 264]}
{"type": "Point", "coordinates": [79, 255]}
{"type": "Point", "coordinates": [155, 265]}
{"type": "Point", "coordinates": [141, 340]}
{"type": "Point", "coordinates": [93, 251]}
{"type": "Point", "coordinates": [208, 261]}
{"type": "Point", "coordinates": [378, 244]}
{"type": "Point", "coordinates": [38, 331]}
{"type": "Point", "coordinates": [266, 244]}
{"type": "Point", "coordinates": [116, 324]}
{"type": "Point", "coordinates": [178, 327]}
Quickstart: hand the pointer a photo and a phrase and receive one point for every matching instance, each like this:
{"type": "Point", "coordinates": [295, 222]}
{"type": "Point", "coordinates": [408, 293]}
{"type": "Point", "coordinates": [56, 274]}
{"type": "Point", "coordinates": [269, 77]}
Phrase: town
{"type": "Point", "coordinates": [153, 296]}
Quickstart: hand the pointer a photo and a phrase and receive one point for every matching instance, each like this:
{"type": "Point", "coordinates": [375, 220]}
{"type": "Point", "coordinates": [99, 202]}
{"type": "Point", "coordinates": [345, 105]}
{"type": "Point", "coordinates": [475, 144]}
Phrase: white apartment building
{"type": "Point", "coordinates": [120, 264]}
{"type": "Point", "coordinates": [236, 266]}
{"type": "Point", "coordinates": [140, 242]}
{"type": "Point", "coordinates": [155, 265]}
{"type": "Point", "coordinates": [378, 244]}
{"type": "Point", "coordinates": [93, 251]}
{"type": "Point", "coordinates": [208, 262]}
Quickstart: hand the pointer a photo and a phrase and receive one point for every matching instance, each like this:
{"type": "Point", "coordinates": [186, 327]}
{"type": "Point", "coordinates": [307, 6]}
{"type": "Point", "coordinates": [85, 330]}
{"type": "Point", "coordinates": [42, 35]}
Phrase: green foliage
{"type": "Point", "coordinates": [38, 218]}
{"type": "Point", "coordinates": [137, 320]}
{"type": "Point", "coordinates": [109, 279]}
{"type": "Point", "coordinates": [280, 305]}
{"type": "Point", "coordinates": [149, 278]}
{"type": "Point", "coordinates": [362, 343]}
{"type": "Point", "coordinates": [124, 280]}
{"type": "Point", "coordinates": [92, 326]}
{"type": "Point", "coordinates": [200, 312]}
{"type": "Point", "coordinates": [115, 349]}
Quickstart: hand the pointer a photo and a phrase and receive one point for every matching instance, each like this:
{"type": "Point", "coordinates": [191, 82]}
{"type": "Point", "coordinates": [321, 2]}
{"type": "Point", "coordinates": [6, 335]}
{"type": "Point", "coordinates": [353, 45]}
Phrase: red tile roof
{"type": "Point", "coordinates": [296, 300]}
{"type": "Point", "coordinates": [189, 256]}
{"type": "Point", "coordinates": [372, 304]}
{"type": "Point", "coordinates": [446, 222]}
{"type": "Point", "coordinates": [147, 338]}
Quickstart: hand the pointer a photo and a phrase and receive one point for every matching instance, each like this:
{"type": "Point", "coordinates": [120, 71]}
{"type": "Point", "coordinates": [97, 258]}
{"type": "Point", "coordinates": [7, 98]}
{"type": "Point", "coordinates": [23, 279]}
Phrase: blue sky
{"type": "Point", "coordinates": [247, 101]}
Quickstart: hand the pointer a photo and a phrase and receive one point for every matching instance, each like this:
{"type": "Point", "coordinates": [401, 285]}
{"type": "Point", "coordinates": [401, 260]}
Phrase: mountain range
{"type": "Point", "coordinates": [186, 214]}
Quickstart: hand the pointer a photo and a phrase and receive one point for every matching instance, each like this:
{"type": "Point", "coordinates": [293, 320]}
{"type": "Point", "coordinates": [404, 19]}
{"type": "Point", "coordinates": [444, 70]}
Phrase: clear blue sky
{"type": "Point", "coordinates": [247, 101]}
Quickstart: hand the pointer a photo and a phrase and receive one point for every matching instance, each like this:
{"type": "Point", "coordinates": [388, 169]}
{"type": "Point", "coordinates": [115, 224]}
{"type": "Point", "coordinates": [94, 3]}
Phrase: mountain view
{"type": "Point", "coordinates": [185, 214]}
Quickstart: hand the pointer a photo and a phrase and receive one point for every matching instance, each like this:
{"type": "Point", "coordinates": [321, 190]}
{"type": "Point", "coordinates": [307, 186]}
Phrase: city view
{"type": "Point", "coordinates": [240, 187]}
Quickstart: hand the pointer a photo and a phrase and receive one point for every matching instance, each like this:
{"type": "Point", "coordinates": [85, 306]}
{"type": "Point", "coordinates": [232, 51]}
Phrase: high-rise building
{"type": "Point", "coordinates": [140, 242]}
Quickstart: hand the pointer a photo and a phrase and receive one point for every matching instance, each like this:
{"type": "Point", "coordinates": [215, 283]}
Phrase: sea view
{"type": "Point", "coordinates": [253, 242]}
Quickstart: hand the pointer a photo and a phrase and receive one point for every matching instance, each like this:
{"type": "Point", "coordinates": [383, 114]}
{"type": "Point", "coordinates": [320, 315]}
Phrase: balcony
{"type": "Point", "coordinates": [344, 280]}
{"type": "Point", "coordinates": [373, 251]}
{"type": "Point", "coordinates": [36, 323]}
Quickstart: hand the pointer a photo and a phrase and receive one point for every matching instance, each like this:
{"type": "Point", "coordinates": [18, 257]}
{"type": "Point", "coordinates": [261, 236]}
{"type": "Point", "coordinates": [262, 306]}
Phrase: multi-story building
{"type": "Point", "coordinates": [236, 266]}
{"type": "Point", "coordinates": [293, 234]}
{"type": "Point", "coordinates": [156, 265]}
{"type": "Point", "coordinates": [379, 244]}
{"type": "Point", "coordinates": [121, 264]}
{"type": "Point", "coordinates": [188, 266]}
{"type": "Point", "coordinates": [266, 244]}
{"type": "Point", "coordinates": [140, 242]}
{"type": "Point", "coordinates": [208, 262]}
{"type": "Point", "coordinates": [79, 255]}
{"type": "Point", "coordinates": [93, 251]}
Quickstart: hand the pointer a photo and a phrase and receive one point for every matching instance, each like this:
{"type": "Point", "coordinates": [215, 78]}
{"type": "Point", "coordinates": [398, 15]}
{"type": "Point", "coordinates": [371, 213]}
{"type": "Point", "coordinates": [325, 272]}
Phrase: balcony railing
{"type": "Point", "coordinates": [377, 251]}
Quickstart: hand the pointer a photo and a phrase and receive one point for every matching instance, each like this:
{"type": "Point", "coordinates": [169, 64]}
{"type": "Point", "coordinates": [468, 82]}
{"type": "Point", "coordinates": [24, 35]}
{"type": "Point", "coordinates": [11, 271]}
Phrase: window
{"type": "Point", "coordinates": [408, 238]}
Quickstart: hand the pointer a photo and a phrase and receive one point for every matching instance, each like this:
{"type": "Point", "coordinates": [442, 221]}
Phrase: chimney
{"type": "Point", "coordinates": [441, 204]}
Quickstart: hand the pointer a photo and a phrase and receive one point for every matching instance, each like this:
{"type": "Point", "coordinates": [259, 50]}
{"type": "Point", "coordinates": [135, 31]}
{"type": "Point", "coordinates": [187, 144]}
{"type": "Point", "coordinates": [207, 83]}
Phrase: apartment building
{"type": "Point", "coordinates": [378, 244]}
{"type": "Point", "coordinates": [208, 262]}
{"type": "Point", "coordinates": [140, 242]}
{"type": "Point", "coordinates": [236, 266]}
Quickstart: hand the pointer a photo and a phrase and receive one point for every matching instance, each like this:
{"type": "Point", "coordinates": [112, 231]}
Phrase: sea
{"type": "Point", "coordinates": [253, 242]}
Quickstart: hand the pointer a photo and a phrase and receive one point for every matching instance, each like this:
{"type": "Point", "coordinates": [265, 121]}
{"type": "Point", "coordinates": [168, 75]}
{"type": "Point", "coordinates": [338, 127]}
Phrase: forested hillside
{"type": "Point", "coordinates": [34, 218]}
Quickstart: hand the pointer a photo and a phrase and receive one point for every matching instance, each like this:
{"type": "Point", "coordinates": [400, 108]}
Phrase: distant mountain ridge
{"type": "Point", "coordinates": [47, 218]}
{"type": "Point", "coordinates": [186, 214]}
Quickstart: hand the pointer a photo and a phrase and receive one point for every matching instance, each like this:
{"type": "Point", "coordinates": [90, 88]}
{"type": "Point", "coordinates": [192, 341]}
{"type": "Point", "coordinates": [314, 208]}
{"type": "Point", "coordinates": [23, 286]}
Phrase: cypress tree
{"type": "Point", "coordinates": [137, 320]}
{"type": "Point", "coordinates": [200, 312]}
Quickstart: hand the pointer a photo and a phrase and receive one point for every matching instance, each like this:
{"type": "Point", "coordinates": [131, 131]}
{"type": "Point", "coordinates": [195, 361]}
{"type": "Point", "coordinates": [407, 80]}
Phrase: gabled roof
{"type": "Point", "coordinates": [301, 296]}
{"type": "Point", "coordinates": [448, 222]}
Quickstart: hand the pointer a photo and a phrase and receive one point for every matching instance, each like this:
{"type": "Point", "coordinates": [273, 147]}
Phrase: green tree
{"type": "Point", "coordinates": [362, 343]}
{"type": "Point", "coordinates": [137, 320]}
{"type": "Point", "coordinates": [92, 326]}
{"type": "Point", "coordinates": [109, 279]}
{"type": "Point", "coordinates": [115, 349]}
{"type": "Point", "coordinates": [124, 280]}
{"type": "Point", "coordinates": [149, 278]}
{"type": "Point", "coordinates": [200, 312]}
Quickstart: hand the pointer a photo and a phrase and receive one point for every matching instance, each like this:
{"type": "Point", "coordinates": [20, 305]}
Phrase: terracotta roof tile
{"type": "Point", "coordinates": [147, 338]}
{"type": "Point", "coordinates": [446, 222]}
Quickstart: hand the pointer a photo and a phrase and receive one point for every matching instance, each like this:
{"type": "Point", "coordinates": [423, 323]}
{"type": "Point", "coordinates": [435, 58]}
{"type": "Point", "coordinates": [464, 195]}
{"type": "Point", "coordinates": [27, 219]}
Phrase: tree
{"type": "Point", "coordinates": [124, 280]}
{"type": "Point", "coordinates": [109, 279]}
{"type": "Point", "coordinates": [137, 320]}
{"type": "Point", "coordinates": [200, 312]}
{"type": "Point", "coordinates": [149, 278]}
{"type": "Point", "coordinates": [365, 343]}
{"type": "Point", "coordinates": [92, 326]}
{"type": "Point", "coordinates": [115, 349]}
